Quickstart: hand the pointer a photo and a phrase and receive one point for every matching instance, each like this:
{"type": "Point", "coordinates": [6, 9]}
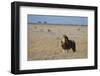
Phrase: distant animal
{"type": "Point", "coordinates": [49, 30]}
{"type": "Point", "coordinates": [68, 44]}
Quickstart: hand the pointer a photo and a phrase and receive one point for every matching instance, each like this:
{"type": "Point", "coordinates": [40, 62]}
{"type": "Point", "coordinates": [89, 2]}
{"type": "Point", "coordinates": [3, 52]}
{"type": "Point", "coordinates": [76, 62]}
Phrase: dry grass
{"type": "Point", "coordinates": [44, 42]}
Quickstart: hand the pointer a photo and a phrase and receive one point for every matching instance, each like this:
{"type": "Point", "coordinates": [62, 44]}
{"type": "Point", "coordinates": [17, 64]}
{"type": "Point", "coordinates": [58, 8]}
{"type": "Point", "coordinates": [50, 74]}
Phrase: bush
{"type": "Point", "coordinates": [49, 30]}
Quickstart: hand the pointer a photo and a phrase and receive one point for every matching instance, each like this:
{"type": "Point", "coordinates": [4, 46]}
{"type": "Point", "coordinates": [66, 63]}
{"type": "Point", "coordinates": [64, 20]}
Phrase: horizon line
{"type": "Point", "coordinates": [58, 24]}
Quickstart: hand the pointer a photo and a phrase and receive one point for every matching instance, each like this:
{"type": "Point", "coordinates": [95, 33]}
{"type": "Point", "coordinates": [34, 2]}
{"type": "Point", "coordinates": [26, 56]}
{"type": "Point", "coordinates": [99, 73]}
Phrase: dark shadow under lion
{"type": "Point", "coordinates": [68, 44]}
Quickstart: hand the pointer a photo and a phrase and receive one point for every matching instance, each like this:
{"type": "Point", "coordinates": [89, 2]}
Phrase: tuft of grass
{"type": "Point", "coordinates": [35, 27]}
{"type": "Point", "coordinates": [78, 29]}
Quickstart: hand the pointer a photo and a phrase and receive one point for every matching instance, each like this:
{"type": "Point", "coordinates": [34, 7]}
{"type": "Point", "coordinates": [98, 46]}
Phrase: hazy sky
{"type": "Point", "coordinates": [58, 19]}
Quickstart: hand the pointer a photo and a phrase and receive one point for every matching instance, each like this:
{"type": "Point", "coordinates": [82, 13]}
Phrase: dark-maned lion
{"type": "Point", "coordinates": [68, 44]}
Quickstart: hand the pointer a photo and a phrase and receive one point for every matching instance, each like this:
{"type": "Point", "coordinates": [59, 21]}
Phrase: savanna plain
{"type": "Point", "coordinates": [44, 41]}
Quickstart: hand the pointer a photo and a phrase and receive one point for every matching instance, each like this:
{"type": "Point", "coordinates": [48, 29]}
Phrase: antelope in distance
{"type": "Point", "coordinates": [68, 44]}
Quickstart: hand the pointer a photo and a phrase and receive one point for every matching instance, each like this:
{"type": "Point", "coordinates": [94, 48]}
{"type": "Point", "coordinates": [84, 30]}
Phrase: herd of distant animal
{"type": "Point", "coordinates": [66, 44]}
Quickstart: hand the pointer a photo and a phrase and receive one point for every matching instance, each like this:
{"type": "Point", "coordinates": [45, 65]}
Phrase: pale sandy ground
{"type": "Point", "coordinates": [46, 45]}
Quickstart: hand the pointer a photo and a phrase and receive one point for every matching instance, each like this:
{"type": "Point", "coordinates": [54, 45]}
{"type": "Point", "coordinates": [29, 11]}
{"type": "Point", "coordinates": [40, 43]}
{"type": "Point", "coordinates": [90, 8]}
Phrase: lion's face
{"type": "Point", "coordinates": [62, 39]}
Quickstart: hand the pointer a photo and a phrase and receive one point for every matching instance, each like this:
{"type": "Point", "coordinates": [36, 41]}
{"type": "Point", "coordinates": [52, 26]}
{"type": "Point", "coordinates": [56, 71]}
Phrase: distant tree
{"type": "Point", "coordinates": [45, 22]}
{"type": "Point", "coordinates": [39, 22]}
